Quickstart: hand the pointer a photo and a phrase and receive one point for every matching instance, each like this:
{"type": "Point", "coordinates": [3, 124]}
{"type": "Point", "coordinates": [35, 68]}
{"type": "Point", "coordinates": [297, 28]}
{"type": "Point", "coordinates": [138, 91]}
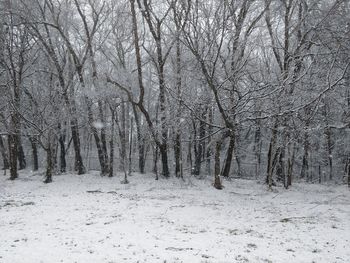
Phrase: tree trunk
{"type": "Point", "coordinates": [257, 148]}
{"type": "Point", "coordinates": [103, 135]}
{"type": "Point", "coordinates": [4, 154]}
{"type": "Point", "coordinates": [140, 141]}
{"type": "Point", "coordinates": [229, 155]}
{"type": "Point", "coordinates": [34, 144]}
{"type": "Point", "coordinates": [63, 164]}
{"type": "Point", "coordinates": [164, 157]}
{"type": "Point", "coordinates": [21, 157]}
{"type": "Point", "coordinates": [217, 179]}
{"type": "Point", "coordinates": [99, 146]}
{"type": "Point", "coordinates": [177, 154]}
{"type": "Point", "coordinates": [200, 142]}
{"type": "Point", "coordinates": [155, 160]}
{"type": "Point", "coordinates": [270, 156]}
{"type": "Point", "coordinates": [111, 147]}
{"type": "Point", "coordinates": [12, 140]}
{"type": "Point", "coordinates": [49, 164]}
{"type": "Point", "coordinates": [305, 173]}
{"type": "Point", "coordinates": [78, 164]}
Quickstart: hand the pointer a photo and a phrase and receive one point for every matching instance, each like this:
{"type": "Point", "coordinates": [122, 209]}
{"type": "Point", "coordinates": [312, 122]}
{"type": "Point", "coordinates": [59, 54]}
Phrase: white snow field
{"type": "Point", "coordinates": [87, 218]}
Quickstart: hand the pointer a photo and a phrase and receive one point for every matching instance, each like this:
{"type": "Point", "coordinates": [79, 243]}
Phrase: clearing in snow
{"type": "Point", "coordinates": [87, 218]}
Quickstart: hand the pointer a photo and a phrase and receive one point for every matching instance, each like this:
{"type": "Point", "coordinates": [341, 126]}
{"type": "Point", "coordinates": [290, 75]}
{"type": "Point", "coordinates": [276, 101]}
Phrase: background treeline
{"type": "Point", "coordinates": [240, 88]}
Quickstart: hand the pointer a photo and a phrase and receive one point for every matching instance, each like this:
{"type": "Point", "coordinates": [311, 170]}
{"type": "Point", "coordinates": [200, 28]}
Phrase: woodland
{"type": "Point", "coordinates": [256, 89]}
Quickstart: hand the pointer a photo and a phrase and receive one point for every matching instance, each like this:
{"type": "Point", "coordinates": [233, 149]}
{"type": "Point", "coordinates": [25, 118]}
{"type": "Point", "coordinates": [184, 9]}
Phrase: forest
{"type": "Point", "coordinates": [255, 89]}
{"type": "Point", "coordinates": [121, 120]}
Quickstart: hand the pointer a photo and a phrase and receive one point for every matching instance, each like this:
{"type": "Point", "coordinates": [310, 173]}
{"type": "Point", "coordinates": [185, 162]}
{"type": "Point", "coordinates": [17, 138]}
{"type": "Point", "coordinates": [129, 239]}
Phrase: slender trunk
{"type": "Point", "coordinates": [177, 154]}
{"type": "Point", "coordinates": [111, 147]}
{"type": "Point", "coordinates": [63, 164]}
{"type": "Point", "coordinates": [189, 152]}
{"type": "Point", "coordinates": [164, 157]}
{"type": "Point", "coordinates": [155, 160]}
{"type": "Point", "coordinates": [103, 135]}
{"type": "Point", "coordinates": [100, 152]}
{"type": "Point", "coordinates": [12, 140]}
{"type": "Point", "coordinates": [130, 147]}
{"type": "Point", "coordinates": [49, 164]}
{"type": "Point", "coordinates": [34, 144]}
{"type": "Point", "coordinates": [229, 155]}
{"type": "Point", "coordinates": [78, 164]}
{"type": "Point", "coordinates": [305, 164]}
{"type": "Point", "coordinates": [217, 179]}
{"type": "Point", "coordinates": [328, 144]}
{"type": "Point", "coordinates": [257, 148]}
{"type": "Point", "coordinates": [291, 161]}
{"type": "Point", "coordinates": [140, 141]}
{"type": "Point", "coordinates": [200, 145]}
{"type": "Point", "coordinates": [4, 154]}
{"type": "Point", "coordinates": [209, 148]}
{"type": "Point", "coordinates": [21, 157]}
{"type": "Point", "coordinates": [270, 156]}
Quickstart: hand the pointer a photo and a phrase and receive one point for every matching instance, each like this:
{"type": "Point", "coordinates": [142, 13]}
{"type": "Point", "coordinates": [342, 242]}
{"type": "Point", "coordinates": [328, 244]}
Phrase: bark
{"type": "Point", "coordinates": [209, 148]}
{"type": "Point", "coordinates": [99, 146]}
{"type": "Point", "coordinates": [4, 154]}
{"type": "Point", "coordinates": [103, 135]}
{"type": "Point", "coordinates": [155, 160]}
{"type": "Point", "coordinates": [200, 144]}
{"type": "Point", "coordinates": [217, 179]}
{"type": "Point", "coordinates": [63, 164]}
{"type": "Point", "coordinates": [111, 147]}
{"type": "Point", "coordinates": [79, 165]}
{"type": "Point", "coordinates": [121, 125]}
{"type": "Point", "coordinates": [229, 155]}
{"type": "Point", "coordinates": [34, 144]}
{"type": "Point", "coordinates": [306, 146]}
{"type": "Point", "coordinates": [140, 141]}
{"type": "Point", "coordinates": [49, 164]}
{"type": "Point", "coordinates": [270, 155]}
{"type": "Point", "coordinates": [12, 140]}
{"type": "Point", "coordinates": [21, 157]}
{"type": "Point", "coordinates": [177, 141]}
{"type": "Point", "coordinates": [177, 155]}
{"type": "Point", "coordinates": [257, 148]}
{"type": "Point", "coordinates": [348, 171]}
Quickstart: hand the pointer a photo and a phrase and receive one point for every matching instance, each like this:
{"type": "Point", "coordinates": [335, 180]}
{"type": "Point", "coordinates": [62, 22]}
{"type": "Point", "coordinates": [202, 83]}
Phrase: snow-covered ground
{"type": "Point", "coordinates": [92, 219]}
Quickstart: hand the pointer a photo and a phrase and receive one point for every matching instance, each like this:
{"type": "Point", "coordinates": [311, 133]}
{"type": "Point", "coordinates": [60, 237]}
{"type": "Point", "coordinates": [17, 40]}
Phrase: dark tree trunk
{"type": "Point", "coordinates": [34, 144]}
{"type": "Point", "coordinates": [12, 140]}
{"type": "Point", "coordinates": [305, 164]}
{"type": "Point", "coordinates": [111, 147]}
{"type": "Point", "coordinates": [177, 155]}
{"type": "Point", "coordinates": [49, 164]}
{"type": "Point", "coordinates": [103, 135]}
{"type": "Point", "coordinates": [217, 180]}
{"type": "Point", "coordinates": [79, 166]}
{"type": "Point", "coordinates": [348, 171]}
{"type": "Point", "coordinates": [199, 150]}
{"type": "Point", "coordinates": [164, 157]}
{"type": "Point", "coordinates": [140, 141]}
{"type": "Point", "coordinates": [63, 164]}
{"type": "Point", "coordinates": [99, 146]}
{"type": "Point", "coordinates": [21, 157]}
{"type": "Point", "coordinates": [257, 148]}
{"type": "Point", "coordinates": [155, 160]}
{"type": "Point", "coordinates": [4, 154]}
{"type": "Point", "coordinates": [270, 156]}
{"type": "Point", "coordinates": [209, 148]}
{"type": "Point", "coordinates": [229, 155]}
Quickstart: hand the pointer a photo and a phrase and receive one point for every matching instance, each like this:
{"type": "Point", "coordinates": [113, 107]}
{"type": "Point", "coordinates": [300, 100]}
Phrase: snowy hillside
{"type": "Point", "coordinates": [88, 218]}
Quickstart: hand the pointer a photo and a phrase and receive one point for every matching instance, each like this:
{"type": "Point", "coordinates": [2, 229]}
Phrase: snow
{"type": "Point", "coordinates": [88, 218]}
